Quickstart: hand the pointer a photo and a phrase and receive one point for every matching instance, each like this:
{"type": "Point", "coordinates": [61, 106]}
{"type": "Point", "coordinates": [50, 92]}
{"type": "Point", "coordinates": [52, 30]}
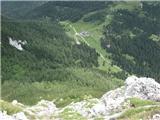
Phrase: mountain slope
{"type": "Point", "coordinates": [65, 10]}
{"type": "Point", "coordinates": [131, 42]}
{"type": "Point", "coordinates": [50, 65]}
{"type": "Point", "coordinates": [17, 9]}
{"type": "Point", "coordinates": [45, 47]}
{"type": "Point", "coordinates": [76, 48]}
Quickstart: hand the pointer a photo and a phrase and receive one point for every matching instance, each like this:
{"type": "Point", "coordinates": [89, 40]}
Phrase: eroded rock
{"type": "Point", "coordinates": [144, 88]}
{"type": "Point", "coordinates": [155, 117]}
{"type": "Point", "coordinates": [17, 43]}
{"type": "Point", "coordinates": [20, 116]}
{"type": "Point", "coordinates": [115, 100]}
{"type": "Point", "coordinates": [43, 109]}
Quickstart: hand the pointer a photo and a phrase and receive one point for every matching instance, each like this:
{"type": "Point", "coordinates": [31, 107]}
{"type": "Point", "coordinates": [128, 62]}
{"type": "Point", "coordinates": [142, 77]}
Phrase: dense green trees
{"type": "Point", "coordinates": [48, 47]}
{"type": "Point", "coordinates": [96, 17]}
{"type": "Point", "coordinates": [129, 37]}
{"type": "Point", "coordinates": [53, 66]}
{"type": "Point", "coordinates": [59, 10]}
{"type": "Point", "coordinates": [17, 9]}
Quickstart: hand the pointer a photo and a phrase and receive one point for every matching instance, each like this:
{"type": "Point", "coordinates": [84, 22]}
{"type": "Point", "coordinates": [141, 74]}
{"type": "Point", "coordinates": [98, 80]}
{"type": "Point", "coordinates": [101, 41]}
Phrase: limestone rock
{"type": "Point", "coordinates": [83, 107]}
{"type": "Point", "coordinates": [17, 43]}
{"type": "Point", "coordinates": [16, 103]}
{"type": "Point", "coordinates": [20, 116]}
{"type": "Point", "coordinates": [155, 117]}
{"type": "Point", "coordinates": [114, 100]}
{"type": "Point", "coordinates": [44, 108]}
{"type": "Point", "coordinates": [144, 88]}
{"type": "Point", "coordinates": [4, 116]}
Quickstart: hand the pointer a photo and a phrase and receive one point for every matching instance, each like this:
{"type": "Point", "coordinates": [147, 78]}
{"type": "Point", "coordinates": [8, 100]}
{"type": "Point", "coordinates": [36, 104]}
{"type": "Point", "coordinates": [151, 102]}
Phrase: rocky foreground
{"type": "Point", "coordinates": [110, 106]}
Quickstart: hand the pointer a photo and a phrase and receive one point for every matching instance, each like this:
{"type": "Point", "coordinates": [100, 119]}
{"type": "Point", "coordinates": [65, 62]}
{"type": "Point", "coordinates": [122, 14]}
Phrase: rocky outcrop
{"type": "Point", "coordinates": [144, 88]}
{"type": "Point", "coordinates": [18, 116]}
{"type": "Point", "coordinates": [110, 105]}
{"type": "Point", "coordinates": [110, 102]}
{"type": "Point", "coordinates": [43, 109]}
{"type": "Point", "coordinates": [4, 116]}
{"type": "Point", "coordinates": [115, 100]}
{"type": "Point", "coordinates": [84, 107]}
{"type": "Point", "coordinates": [17, 43]}
{"type": "Point", "coordinates": [155, 117]}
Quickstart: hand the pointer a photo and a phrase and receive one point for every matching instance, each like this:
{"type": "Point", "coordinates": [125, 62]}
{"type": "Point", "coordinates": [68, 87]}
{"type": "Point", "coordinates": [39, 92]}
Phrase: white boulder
{"type": "Point", "coordinates": [109, 103]}
{"type": "Point", "coordinates": [14, 102]}
{"type": "Point", "coordinates": [114, 100]}
{"type": "Point", "coordinates": [155, 117]}
{"type": "Point", "coordinates": [20, 116]}
{"type": "Point", "coordinates": [44, 108]}
{"type": "Point", "coordinates": [17, 43]}
{"type": "Point", "coordinates": [4, 116]}
{"type": "Point", "coordinates": [144, 88]}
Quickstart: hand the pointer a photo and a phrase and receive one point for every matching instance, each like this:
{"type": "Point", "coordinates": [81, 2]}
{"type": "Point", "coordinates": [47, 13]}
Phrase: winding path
{"type": "Point", "coordinates": [77, 34]}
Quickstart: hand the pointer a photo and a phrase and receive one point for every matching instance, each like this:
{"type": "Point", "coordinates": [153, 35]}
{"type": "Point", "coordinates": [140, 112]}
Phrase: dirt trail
{"type": "Point", "coordinates": [77, 34]}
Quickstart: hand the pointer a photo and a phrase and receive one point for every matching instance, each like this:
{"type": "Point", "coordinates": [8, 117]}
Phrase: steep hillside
{"type": "Point", "coordinates": [66, 50]}
{"type": "Point", "coordinates": [17, 9]}
{"type": "Point", "coordinates": [133, 39]}
{"type": "Point", "coordinates": [90, 28]}
{"type": "Point", "coordinates": [40, 56]}
{"type": "Point", "coordinates": [47, 48]}
{"type": "Point", "coordinates": [65, 10]}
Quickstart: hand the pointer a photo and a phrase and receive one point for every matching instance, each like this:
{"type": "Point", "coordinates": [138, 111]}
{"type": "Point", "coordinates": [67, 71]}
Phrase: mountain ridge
{"type": "Point", "coordinates": [112, 105]}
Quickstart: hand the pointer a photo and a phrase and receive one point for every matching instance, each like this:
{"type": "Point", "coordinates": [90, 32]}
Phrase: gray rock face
{"type": "Point", "coordinates": [18, 116]}
{"type": "Point", "coordinates": [43, 109]}
{"type": "Point", "coordinates": [155, 117]}
{"type": "Point", "coordinates": [4, 116]}
{"type": "Point", "coordinates": [83, 107]}
{"type": "Point", "coordinates": [144, 88]}
{"type": "Point", "coordinates": [114, 100]}
{"type": "Point", "coordinates": [110, 102]}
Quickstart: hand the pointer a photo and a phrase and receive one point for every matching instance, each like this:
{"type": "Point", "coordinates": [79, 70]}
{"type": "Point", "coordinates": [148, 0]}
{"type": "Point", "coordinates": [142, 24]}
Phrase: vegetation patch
{"type": "Point", "coordinates": [139, 113]}
{"type": "Point", "coordinates": [69, 114]}
{"type": "Point", "coordinates": [9, 108]}
{"type": "Point", "coordinates": [139, 102]}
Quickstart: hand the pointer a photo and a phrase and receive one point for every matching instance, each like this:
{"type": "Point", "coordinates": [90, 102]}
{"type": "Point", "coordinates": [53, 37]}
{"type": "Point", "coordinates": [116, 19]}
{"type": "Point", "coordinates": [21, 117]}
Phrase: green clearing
{"type": "Point", "coordinates": [129, 5]}
{"type": "Point", "coordinates": [95, 34]}
{"type": "Point", "coordinates": [69, 114]}
{"type": "Point", "coordinates": [139, 102]}
{"type": "Point", "coordinates": [95, 30]}
{"type": "Point", "coordinates": [141, 111]}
